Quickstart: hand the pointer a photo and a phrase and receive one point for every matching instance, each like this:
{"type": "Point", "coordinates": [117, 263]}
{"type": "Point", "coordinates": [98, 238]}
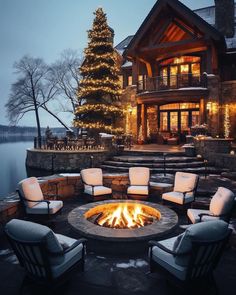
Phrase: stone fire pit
{"type": "Point", "coordinates": [113, 240]}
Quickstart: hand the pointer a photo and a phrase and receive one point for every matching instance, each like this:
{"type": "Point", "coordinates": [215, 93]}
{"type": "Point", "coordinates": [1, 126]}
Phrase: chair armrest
{"type": "Point", "coordinates": [75, 244]}
{"type": "Point", "coordinates": [201, 215]}
{"type": "Point", "coordinates": [159, 245]}
{"type": "Point", "coordinates": [37, 201]}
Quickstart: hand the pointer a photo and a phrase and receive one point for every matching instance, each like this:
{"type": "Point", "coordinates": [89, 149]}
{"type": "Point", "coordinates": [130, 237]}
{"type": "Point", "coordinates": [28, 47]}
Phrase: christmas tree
{"type": "Point", "coordinates": [99, 87]}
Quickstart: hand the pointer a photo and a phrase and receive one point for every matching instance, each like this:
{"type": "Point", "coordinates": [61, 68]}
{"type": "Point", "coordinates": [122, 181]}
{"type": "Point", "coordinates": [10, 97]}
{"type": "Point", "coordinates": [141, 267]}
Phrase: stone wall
{"type": "Point", "coordinates": [69, 185]}
{"type": "Point", "coordinates": [212, 104]}
{"type": "Point", "coordinates": [229, 98]}
{"type": "Point", "coordinates": [65, 161]}
{"type": "Point", "coordinates": [217, 152]}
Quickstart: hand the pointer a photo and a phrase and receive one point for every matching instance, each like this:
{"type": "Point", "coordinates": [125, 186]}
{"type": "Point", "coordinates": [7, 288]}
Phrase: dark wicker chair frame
{"type": "Point", "coordinates": [34, 258]}
{"type": "Point", "coordinates": [188, 204]}
{"type": "Point", "coordinates": [92, 197]}
{"type": "Point", "coordinates": [37, 216]}
{"type": "Point", "coordinates": [139, 196]}
{"type": "Point", "coordinates": [204, 258]}
{"type": "Point", "coordinates": [226, 217]}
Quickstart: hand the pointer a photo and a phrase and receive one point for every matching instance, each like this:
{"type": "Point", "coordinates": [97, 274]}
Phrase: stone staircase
{"type": "Point", "coordinates": [173, 162]}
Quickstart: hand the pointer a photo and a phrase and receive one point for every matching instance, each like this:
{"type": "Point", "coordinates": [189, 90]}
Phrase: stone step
{"type": "Point", "coordinates": [151, 153]}
{"type": "Point", "coordinates": [152, 159]}
{"type": "Point", "coordinates": [154, 164]}
{"type": "Point", "coordinates": [197, 170]}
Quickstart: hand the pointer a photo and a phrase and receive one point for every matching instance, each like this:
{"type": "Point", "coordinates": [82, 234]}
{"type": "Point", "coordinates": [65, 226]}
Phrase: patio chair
{"type": "Point", "coordinates": [33, 201]}
{"type": "Point", "coordinates": [47, 258]}
{"type": "Point", "coordinates": [185, 187]}
{"type": "Point", "coordinates": [189, 259]}
{"type": "Point", "coordinates": [221, 207]}
{"type": "Point", "coordinates": [138, 183]}
{"type": "Point", "coordinates": [92, 179]}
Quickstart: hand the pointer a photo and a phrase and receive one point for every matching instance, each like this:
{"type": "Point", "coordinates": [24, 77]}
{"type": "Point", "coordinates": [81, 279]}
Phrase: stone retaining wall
{"type": "Point", "coordinates": [70, 185]}
{"type": "Point", "coordinates": [65, 161]}
{"type": "Point", "coordinates": [217, 152]}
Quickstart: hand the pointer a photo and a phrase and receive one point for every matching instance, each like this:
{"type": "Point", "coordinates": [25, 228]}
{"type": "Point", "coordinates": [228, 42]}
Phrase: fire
{"type": "Point", "coordinates": [124, 216]}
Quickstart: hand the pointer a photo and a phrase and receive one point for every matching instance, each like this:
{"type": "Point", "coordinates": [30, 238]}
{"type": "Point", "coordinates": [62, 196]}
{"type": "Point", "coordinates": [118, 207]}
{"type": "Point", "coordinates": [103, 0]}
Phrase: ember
{"type": "Point", "coordinates": [123, 216]}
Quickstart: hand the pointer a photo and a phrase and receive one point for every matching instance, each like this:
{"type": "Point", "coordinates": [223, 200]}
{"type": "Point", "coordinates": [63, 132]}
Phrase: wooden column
{"type": "Point", "coordinates": [209, 60]}
{"type": "Point", "coordinates": [144, 121]}
{"type": "Point", "coordinates": [135, 71]}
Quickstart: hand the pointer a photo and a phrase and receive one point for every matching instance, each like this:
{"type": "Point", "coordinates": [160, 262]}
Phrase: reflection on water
{"type": "Point", "coordinates": [12, 169]}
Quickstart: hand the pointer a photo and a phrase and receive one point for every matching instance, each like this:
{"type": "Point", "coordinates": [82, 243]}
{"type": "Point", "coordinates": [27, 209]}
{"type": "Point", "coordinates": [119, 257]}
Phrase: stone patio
{"type": "Point", "coordinates": [114, 274]}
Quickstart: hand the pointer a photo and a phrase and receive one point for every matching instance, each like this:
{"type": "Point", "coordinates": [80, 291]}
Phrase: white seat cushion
{"type": "Point", "coordinates": [222, 201]}
{"type": "Point", "coordinates": [70, 258]}
{"type": "Point", "coordinates": [193, 215]}
{"type": "Point", "coordinates": [30, 190]}
{"type": "Point", "coordinates": [139, 175]}
{"type": "Point", "coordinates": [137, 190]}
{"type": "Point", "coordinates": [185, 182]}
{"type": "Point", "coordinates": [167, 261]}
{"type": "Point", "coordinates": [42, 208]}
{"type": "Point", "coordinates": [177, 197]}
{"type": "Point", "coordinates": [98, 190]}
{"type": "Point", "coordinates": [92, 176]}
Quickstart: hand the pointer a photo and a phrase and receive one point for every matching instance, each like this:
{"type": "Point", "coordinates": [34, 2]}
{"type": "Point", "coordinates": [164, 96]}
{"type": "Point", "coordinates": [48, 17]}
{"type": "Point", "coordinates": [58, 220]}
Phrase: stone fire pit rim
{"type": "Point", "coordinates": [167, 223]}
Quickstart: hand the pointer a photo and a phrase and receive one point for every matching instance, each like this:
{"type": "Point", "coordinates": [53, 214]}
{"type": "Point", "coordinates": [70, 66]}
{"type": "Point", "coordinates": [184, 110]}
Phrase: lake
{"type": "Point", "coordinates": [12, 161]}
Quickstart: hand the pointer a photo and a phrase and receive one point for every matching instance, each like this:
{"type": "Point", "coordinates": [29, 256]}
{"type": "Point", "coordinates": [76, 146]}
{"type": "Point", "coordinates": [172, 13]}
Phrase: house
{"type": "Point", "coordinates": [179, 71]}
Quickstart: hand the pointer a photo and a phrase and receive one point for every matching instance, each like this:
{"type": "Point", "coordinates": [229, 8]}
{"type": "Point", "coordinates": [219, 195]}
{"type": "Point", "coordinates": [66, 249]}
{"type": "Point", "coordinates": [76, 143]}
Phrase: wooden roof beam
{"type": "Point", "coordinates": [167, 45]}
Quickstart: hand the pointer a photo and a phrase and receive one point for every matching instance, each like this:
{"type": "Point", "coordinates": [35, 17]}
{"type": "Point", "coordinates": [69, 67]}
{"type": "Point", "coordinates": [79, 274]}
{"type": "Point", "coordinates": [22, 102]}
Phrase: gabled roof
{"type": "Point", "coordinates": [181, 10]}
{"type": "Point", "coordinates": [121, 47]}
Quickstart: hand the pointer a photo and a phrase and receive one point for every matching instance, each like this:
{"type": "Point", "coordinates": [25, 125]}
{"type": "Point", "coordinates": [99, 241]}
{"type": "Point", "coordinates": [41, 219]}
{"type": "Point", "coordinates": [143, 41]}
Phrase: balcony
{"type": "Point", "coordinates": [160, 83]}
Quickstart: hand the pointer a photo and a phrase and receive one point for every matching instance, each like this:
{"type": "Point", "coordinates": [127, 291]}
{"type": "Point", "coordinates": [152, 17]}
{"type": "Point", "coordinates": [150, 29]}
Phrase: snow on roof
{"type": "Point", "coordinates": [127, 64]}
{"type": "Point", "coordinates": [208, 14]}
{"type": "Point", "coordinates": [123, 44]}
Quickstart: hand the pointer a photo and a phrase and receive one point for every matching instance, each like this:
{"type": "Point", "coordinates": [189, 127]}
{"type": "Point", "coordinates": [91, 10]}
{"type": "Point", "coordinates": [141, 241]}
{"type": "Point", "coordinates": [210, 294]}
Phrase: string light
{"type": "Point", "coordinates": [100, 80]}
{"type": "Point", "coordinates": [97, 108]}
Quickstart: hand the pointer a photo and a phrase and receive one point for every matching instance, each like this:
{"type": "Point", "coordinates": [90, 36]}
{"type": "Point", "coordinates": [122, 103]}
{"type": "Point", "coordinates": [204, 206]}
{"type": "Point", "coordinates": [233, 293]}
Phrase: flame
{"type": "Point", "coordinates": [124, 216]}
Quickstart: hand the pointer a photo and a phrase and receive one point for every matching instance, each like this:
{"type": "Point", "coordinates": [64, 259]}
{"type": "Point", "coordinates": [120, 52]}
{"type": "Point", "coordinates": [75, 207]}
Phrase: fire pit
{"type": "Point", "coordinates": [122, 215]}
{"type": "Point", "coordinates": [122, 226]}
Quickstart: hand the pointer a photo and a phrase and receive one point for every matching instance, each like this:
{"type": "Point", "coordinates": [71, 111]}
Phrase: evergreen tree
{"type": "Point", "coordinates": [99, 87]}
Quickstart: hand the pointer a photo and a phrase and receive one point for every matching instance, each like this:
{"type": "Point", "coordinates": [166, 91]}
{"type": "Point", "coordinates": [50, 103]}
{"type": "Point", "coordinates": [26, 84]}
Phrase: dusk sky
{"type": "Point", "coordinates": [44, 28]}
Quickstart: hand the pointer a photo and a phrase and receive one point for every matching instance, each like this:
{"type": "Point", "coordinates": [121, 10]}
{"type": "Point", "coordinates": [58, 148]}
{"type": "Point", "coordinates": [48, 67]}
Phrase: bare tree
{"type": "Point", "coordinates": [33, 90]}
{"type": "Point", "coordinates": [66, 73]}
{"type": "Point", "coordinates": [26, 92]}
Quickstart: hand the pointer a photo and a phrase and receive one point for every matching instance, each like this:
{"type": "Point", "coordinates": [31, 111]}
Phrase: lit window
{"type": "Point", "coordinates": [130, 81]}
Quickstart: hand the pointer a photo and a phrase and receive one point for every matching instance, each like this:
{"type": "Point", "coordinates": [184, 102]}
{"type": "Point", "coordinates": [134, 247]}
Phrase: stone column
{"type": "Point", "coordinates": [144, 121]}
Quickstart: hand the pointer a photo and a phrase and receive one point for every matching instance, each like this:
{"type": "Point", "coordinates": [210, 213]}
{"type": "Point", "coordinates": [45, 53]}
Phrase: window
{"type": "Point", "coordinates": [121, 81]}
{"type": "Point", "coordinates": [195, 118]}
{"type": "Point", "coordinates": [184, 121]}
{"type": "Point", "coordinates": [130, 81]}
{"type": "Point", "coordinates": [163, 121]}
{"type": "Point", "coordinates": [174, 121]}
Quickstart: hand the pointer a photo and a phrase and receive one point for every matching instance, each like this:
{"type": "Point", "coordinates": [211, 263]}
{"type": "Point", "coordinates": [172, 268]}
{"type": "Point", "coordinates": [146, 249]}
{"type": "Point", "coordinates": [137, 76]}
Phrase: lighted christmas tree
{"type": "Point", "coordinates": [99, 87]}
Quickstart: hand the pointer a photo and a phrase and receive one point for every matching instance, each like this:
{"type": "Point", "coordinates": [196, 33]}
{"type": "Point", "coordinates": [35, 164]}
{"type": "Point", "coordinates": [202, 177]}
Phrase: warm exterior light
{"type": "Point", "coordinates": [226, 121]}
{"type": "Point", "coordinates": [232, 152]}
{"type": "Point", "coordinates": [99, 87]}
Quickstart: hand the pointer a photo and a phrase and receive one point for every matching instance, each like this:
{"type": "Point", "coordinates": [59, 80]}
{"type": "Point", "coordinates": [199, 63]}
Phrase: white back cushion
{"type": "Point", "coordinates": [30, 189]}
{"type": "Point", "coordinates": [92, 176]}
{"type": "Point", "coordinates": [32, 232]}
{"type": "Point", "coordinates": [139, 175]}
{"type": "Point", "coordinates": [185, 182]}
{"type": "Point", "coordinates": [222, 201]}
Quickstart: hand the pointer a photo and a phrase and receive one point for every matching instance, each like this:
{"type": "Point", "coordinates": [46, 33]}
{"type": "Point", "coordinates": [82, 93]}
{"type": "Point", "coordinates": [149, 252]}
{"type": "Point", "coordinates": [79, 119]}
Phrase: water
{"type": "Point", "coordinates": [12, 165]}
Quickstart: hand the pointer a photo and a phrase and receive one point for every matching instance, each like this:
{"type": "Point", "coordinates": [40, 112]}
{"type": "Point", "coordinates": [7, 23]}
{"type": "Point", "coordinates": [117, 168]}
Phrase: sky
{"type": "Point", "coordinates": [44, 28]}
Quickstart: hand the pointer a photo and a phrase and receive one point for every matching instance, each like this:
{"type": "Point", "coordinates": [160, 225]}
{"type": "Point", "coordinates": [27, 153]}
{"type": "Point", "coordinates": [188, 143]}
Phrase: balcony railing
{"type": "Point", "coordinates": [171, 82]}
